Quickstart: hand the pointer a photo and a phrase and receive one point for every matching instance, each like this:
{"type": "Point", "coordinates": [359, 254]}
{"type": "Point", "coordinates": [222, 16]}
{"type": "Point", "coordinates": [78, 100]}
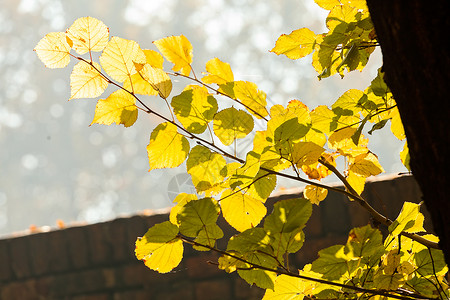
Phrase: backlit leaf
{"type": "Point", "coordinates": [86, 81]}
{"type": "Point", "coordinates": [333, 263]}
{"type": "Point", "coordinates": [248, 94]}
{"type": "Point", "coordinates": [365, 241]}
{"type": "Point", "coordinates": [88, 34]}
{"type": "Point", "coordinates": [351, 100]}
{"type": "Point", "coordinates": [297, 44]}
{"type": "Point", "coordinates": [198, 219]}
{"type": "Point", "coordinates": [242, 211]}
{"type": "Point", "coordinates": [194, 108]}
{"type": "Point", "coordinates": [180, 200]}
{"type": "Point", "coordinates": [119, 57]}
{"type": "Point", "coordinates": [410, 220]}
{"type": "Point", "coordinates": [430, 265]}
{"type": "Point", "coordinates": [167, 148]}
{"type": "Point", "coordinates": [160, 248]}
{"type": "Point", "coordinates": [205, 168]}
{"type": "Point", "coordinates": [53, 50]}
{"type": "Point", "coordinates": [397, 125]}
{"type": "Point", "coordinates": [118, 108]}
{"type": "Point", "coordinates": [158, 79]}
{"type": "Point", "coordinates": [366, 165]}
{"type": "Point", "coordinates": [356, 181]}
{"type": "Point", "coordinates": [141, 86]}
{"type": "Point", "coordinates": [329, 4]}
{"type": "Point", "coordinates": [177, 50]}
{"type": "Point", "coordinates": [231, 124]}
{"type": "Point", "coordinates": [404, 156]}
{"type": "Point", "coordinates": [306, 153]}
{"type": "Point", "coordinates": [343, 141]}
{"type": "Point", "coordinates": [289, 288]}
{"type": "Point", "coordinates": [315, 194]}
{"type": "Point", "coordinates": [219, 72]}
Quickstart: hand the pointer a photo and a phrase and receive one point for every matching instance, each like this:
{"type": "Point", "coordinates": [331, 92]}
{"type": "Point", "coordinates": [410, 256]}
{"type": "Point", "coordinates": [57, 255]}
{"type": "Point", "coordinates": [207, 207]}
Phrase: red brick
{"type": "Point", "coordinates": [5, 260]}
{"type": "Point", "coordinates": [314, 226]}
{"type": "Point", "coordinates": [119, 242]}
{"type": "Point", "coordinates": [99, 244]}
{"type": "Point", "coordinates": [242, 290]}
{"type": "Point", "coordinates": [100, 296]}
{"type": "Point", "coordinates": [21, 290]}
{"type": "Point", "coordinates": [77, 247]}
{"type": "Point", "coordinates": [199, 266]}
{"type": "Point", "coordinates": [134, 295]}
{"type": "Point", "coordinates": [213, 290]}
{"type": "Point", "coordinates": [20, 258]}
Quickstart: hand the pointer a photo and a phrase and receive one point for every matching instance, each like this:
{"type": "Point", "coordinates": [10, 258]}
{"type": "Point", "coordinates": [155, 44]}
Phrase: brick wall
{"type": "Point", "coordinates": [97, 261]}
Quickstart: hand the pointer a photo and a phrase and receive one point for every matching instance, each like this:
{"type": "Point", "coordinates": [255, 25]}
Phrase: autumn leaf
{"type": "Point", "coordinates": [297, 44]}
{"type": "Point", "coordinates": [119, 58]}
{"type": "Point", "coordinates": [118, 108]}
{"type": "Point", "coordinates": [86, 81]}
{"type": "Point", "coordinates": [366, 165]}
{"type": "Point", "coordinates": [158, 80]}
{"type": "Point", "coordinates": [177, 50]}
{"type": "Point", "coordinates": [231, 124]}
{"type": "Point", "coordinates": [315, 194]}
{"type": "Point", "coordinates": [88, 34]}
{"type": "Point", "coordinates": [167, 148]}
{"type": "Point", "coordinates": [219, 72]}
{"type": "Point", "coordinates": [160, 248]}
{"type": "Point", "coordinates": [53, 50]}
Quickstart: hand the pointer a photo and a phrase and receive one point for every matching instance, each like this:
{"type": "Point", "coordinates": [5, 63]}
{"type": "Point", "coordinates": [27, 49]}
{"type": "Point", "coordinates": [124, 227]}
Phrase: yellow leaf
{"type": "Point", "coordinates": [397, 125]}
{"type": "Point", "coordinates": [342, 141]}
{"type": "Point", "coordinates": [365, 165]}
{"type": "Point", "coordinates": [160, 248]}
{"type": "Point", "coordinates": [231, 124]}
{"type": "Point", "coordinates": [315, 194]}
{"type": "Point", "coordinates": [86, 81]}
{"type": "Point", "coordinates": [306, 153]}
{"type": "Point", "coordinates": [118, 108]}
{"type": "Point", "coordinates": [404, 156]}
{"type": "Point", "coordinates": [297, 44]}
{"type": "Point", "coordinates": [205, 168]}
{"type": "Point", "coordinates": [180, 200]}
{"type": "Point", "coordinates": [350, 101]}
{"type": "Point", "coordinates": [177, 50]}
{"type": "Point", "coordinates": [119, 57]}
{"type": "Point", "coordinates": [158, 79]}
{"type": "Point", "coordinates": [330, 4]}
{"type": "Point", "coordinates": [53, 50]}
{"type": "Point", "coordinates": [341, 15]}
{"type": "Point", "coordinates": [194, 108]}
{"type": "Point", "coordinates": [219, 72]}
{"type": "Point", "coordinates": [248, 94]}
{"type": "Point", "coordinates": [153, 58]}
{"type": "Point", "coordinates": [357, 182]}
{"type": "Point", "coordinates": [167, 148]}
{"type": "Point", "coordinates": [289, 288]}
{"type": "Point", "coordinates": [242, 211]}
{"type": "Point", "coordinates": [88, 34]}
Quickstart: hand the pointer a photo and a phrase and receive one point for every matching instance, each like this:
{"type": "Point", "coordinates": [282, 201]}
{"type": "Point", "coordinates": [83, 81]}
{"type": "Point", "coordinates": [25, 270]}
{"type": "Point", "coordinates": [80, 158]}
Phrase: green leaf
{"type": "Point", "coordinates": [297, 44]}
{"type": "Point", "coordinates": [253, 245]}
{"type": "Point", "coordinates": [198, 219]}
{"type": "Point", "coordinates": [350, 101]}
{"type": "Point", "coordinates": [242, 211]}
{"type": "Point", "coordinates": [231, 124]}
{"type": "Point", "coordinates": [160, 248]}
{"type": "Point", "coordinates": [364, 242]}
{"type": "Point", "coordinates": [288, 215]}
{"type": "Point", "coordinates": [205, 168]}
{"type": "Point", "coordinates": [167, 148]}
{"type": "Point", "coordinates": [180, 200]}
{"type": "Point", "coordinates": [377, 126]}
{"type": "Point", "coordinates": [333, 263]}
{"type": "Point", "coordinates": [194, 108]}
{"type": "Point", "coordinates": [424, 262]}
{"type": "Point", "coordinates": [410, 220]}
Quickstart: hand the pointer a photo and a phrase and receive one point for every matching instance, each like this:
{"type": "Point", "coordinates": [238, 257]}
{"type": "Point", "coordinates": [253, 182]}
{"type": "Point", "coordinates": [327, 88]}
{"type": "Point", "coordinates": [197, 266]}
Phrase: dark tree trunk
{"type": "Point", "coordinates": [414, 35]}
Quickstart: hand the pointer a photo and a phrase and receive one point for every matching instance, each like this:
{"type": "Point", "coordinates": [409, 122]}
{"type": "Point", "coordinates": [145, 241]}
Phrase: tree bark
{"type": "Point", "coordinates": [413, 35]}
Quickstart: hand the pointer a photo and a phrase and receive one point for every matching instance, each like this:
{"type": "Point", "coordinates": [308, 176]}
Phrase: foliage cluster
{"type": "Point", "coordinates": [402, 265]}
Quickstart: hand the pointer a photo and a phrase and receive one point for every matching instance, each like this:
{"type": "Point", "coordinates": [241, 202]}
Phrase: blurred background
{"type": "Point", "coordinates": [54, 166]}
